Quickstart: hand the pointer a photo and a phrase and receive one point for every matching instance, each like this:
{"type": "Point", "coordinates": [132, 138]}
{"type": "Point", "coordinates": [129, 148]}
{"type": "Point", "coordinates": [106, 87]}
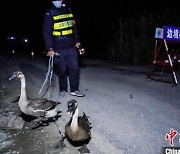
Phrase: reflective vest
{"type": "Point", "coordinates": [63, 24]}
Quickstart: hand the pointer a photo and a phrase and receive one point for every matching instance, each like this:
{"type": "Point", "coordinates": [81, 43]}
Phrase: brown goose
{"type": "Point", "coordinates": [77, 129]}
{"type": "Point", "coordinates": [40, 108]}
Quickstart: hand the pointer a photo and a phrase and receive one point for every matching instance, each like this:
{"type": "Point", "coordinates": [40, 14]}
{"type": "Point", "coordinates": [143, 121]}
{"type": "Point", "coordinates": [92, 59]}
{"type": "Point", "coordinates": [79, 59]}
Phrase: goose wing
{"type": "Point", "coordinates": [84, 126]}
{"type": "Point", "coordinates": [28, 110]}
{"type": "Point", "coordinates": [39, 113]}
{"type": "Point", "coordinates": [85, 119]}
{"type": "Point", "coordinates": [84, 123]}
{"type": "Point", "coordinates": [83, 131]}
{"type": "Point", "coordinates": [42, 104]}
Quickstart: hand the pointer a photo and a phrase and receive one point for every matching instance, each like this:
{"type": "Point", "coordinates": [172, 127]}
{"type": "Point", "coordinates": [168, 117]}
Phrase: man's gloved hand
{"type": "Point", "coordinates": [78, 44]}
{"type": "Point", "coordinates": [50, 53]}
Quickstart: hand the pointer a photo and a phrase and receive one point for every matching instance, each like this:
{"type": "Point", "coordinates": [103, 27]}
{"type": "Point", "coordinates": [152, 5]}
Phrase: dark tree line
{"type": "Point", "coordinates": [133, 38]}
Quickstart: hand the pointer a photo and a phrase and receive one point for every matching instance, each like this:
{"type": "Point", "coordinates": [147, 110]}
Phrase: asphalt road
{"type": "Point", "coordinates": [129, 115]}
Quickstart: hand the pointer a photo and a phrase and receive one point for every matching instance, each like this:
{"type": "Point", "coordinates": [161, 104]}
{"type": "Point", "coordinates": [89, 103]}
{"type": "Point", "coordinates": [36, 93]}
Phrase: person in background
{"type": "Point", "coordinates": [61, 36]}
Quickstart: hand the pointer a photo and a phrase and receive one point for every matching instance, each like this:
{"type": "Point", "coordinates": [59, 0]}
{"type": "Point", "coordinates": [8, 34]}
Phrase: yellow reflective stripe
{"type": "Point", "coordinates": [63, 16]}
{"type": "Point", "coordinates": [66, 32]}
{"type": "Point", "coordinates": [56, 33]}
{"type": "Point", "coordinates": [62, 25]}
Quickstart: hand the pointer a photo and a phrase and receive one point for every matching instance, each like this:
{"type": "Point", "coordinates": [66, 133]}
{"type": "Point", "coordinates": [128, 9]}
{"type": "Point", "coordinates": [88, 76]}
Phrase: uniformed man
{"type": "Point", "coordinates": [61, 36]}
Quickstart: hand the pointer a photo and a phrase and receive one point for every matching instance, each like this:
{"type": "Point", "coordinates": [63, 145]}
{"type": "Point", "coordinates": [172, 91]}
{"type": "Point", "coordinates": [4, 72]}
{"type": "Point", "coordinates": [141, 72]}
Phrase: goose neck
{"type": "Point", "coordinates": [23, 89]}
{"type": "Point", "coordinates": [74, 123]}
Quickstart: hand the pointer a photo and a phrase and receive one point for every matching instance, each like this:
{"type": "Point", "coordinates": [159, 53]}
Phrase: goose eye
{"type": "Point", "coordinates": [70, 104]}
{"type": "Point", "coordinates": [19, 73]}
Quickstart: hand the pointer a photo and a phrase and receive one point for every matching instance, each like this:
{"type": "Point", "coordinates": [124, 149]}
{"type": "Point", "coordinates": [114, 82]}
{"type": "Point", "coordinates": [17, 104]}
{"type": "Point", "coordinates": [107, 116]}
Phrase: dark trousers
{"type": "Point", "coordinates": [67, 66]}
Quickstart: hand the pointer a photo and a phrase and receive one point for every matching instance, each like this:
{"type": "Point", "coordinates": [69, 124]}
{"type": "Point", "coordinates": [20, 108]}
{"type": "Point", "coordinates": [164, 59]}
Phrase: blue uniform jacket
{"type": "Point", "coordinates": [57, 42]}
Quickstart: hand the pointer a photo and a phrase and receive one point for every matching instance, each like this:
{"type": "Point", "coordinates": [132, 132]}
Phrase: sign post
{"type": "Point", "coordinates": [166, 54]}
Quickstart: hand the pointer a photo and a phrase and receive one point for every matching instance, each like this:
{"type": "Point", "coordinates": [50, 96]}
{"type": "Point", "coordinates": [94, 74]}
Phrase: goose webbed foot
{"type": "Point", "coordinates": [84, 149]}
{"type": "Point", "coordinates": [60, 144]}
{"type": "Point", "coordinates": [39, 126]}
{"type": "Point", "coordinates": [36, 123]}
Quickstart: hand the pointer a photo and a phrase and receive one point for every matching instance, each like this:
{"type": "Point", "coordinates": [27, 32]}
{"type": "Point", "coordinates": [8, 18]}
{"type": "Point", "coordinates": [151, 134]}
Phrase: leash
{"type": "Point", "coordinates": [49, 73]}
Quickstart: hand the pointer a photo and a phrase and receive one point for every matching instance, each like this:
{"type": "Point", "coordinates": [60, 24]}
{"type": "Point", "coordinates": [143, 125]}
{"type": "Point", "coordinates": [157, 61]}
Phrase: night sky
{"type": "Point", "coordinates": [24, 18]}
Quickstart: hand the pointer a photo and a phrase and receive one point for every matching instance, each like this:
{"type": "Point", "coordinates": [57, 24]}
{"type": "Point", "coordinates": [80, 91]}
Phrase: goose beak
{"type": "Point", "coordinates": [70, 109]}
{"type": "Point", "coordinates": [14, 76]}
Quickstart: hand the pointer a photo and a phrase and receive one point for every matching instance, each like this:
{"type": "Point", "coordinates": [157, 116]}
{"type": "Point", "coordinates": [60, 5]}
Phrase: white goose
{"type": "Point", "coordinates": [40, 108]}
